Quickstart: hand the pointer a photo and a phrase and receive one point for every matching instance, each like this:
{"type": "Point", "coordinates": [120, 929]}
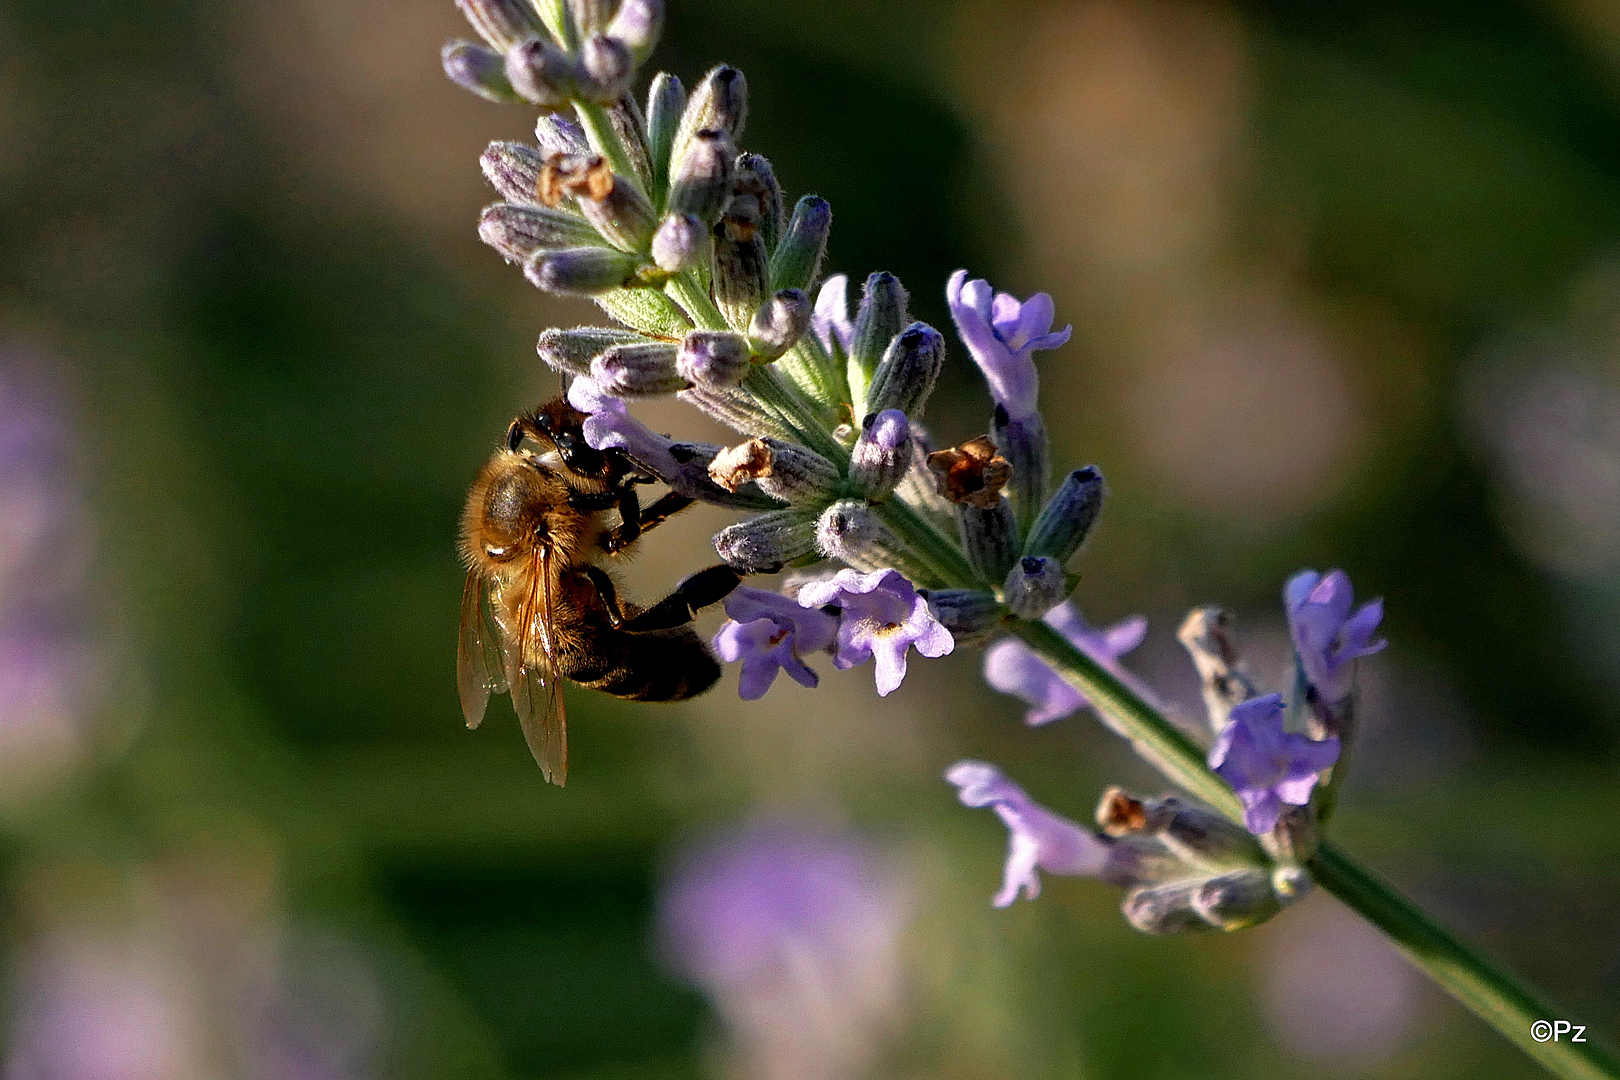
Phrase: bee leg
{"type": "Point", "coordinates": [695, 591]}
{"type": "Point", "coordinates": [633, 521]}
{"type": "Point", "coordinates": [668, 505]}
{"type": "Point", "coordinates": [608, 595]}
{"type": "Point", "coordinates": [593, 500]}
{"type": "Point", "coordinates": [628, 529]}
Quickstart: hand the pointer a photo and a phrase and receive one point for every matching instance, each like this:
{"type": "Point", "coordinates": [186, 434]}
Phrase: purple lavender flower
{"type": "Point", "coordinates": [1038, 837]}
{"type": "Point", "coordinates": [1266, 765]}
{"type": "Point", "coordinates": [830, 320]}
{"type": "Point", "coordinates": [769, 632]}
{"type": "Point", "coordinates": [46, 658]}
{"type": "Point", "coordinates": [608, 423]}
{"type": "Point", "coordinates": [882, 616]}
{"type": "Point", "coordinates": [794, 932]}
{"type": "Point", "coordinates": [1001, 332]}
{"type": "Point", "coordinates": [1013, 668]}
{"type": "Point", "coordinates": [1326, 635]}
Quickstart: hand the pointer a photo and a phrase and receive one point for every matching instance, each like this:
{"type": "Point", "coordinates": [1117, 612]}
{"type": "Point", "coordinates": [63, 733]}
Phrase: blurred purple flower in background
{"type": "Point", "coordinates": [45, 537]}
{"type": "Point", "coordinates": [1266, 765]}
{"type": "Point", "coordinates": [1327, 636]}
{"type": "Point", "coordinates": [770, 632]}
{"type": "Point", "coordinates": [882, 616]}
{"type": "Point", "coordinates": [1335, 990]}
{"type": "Point", "coordinates": [101, 1006]}
{"type": "Point", "coordinates": [1037, 838]}
{"type": "Point", "coordinates": [794, 932]}
{"type": "Point", "coordinates": [1013, 668]}
{"type": "Point", "coordinates": [1002, 332]}
{"type": "Point", "coordinates": [202, 982]}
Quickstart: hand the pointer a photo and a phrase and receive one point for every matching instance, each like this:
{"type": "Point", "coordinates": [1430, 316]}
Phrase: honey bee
{"type": "Point", "coordinates": [539, 607]}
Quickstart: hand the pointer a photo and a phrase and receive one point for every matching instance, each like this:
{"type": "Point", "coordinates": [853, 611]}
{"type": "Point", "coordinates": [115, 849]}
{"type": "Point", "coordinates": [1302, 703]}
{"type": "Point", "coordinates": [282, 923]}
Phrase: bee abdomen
{"type": "Point", "coordinates": [670, 665]}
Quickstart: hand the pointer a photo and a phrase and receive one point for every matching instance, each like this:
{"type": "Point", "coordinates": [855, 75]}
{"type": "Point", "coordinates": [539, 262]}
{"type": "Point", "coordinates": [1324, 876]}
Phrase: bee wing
{"type": "Point", "coordinates": [480, 670]}
{"type": "Point", "coordinates": [532, 674]}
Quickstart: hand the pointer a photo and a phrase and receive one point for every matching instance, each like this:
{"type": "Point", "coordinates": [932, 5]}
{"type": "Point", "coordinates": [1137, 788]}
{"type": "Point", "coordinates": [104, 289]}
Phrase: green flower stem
{"type": "Point", "coordinates": [1500, 999]}
{"type": "Point", "coordinates": [599, 129]}
{"type": "Point", "coordinates": [1506, 1003]}
{"type": "Point", "coordinates": [930, 545]}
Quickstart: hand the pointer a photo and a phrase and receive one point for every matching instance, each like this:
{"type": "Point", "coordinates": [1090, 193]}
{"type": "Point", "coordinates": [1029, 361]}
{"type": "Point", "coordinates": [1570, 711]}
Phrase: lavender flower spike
{"type": "Point", "coordinates": [830, 320]}
{"type": "Point", "coordinates": [1266, 765]}
{"type": "Point", "coordinates": [882, 616]}
{"type": "Point", "coordinates": [1039, 838]}
{"type": "Point", "coordinates": [1001, 332]}
{"type": "Point", "coordinates": [769, 632]}
{"type": "Point", "coordinates": [1326, 635]}
{"type": "Point", "coordinates": [1013, 668]}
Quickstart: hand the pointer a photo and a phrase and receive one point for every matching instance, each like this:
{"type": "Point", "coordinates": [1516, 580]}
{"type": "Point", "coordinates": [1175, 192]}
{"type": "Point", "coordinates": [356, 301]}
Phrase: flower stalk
{"type": "Point", "coordinates": [1495, 995]}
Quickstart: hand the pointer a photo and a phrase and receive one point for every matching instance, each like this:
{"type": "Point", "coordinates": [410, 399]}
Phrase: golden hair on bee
{"type": "Point", "coordinates": [539, 606]}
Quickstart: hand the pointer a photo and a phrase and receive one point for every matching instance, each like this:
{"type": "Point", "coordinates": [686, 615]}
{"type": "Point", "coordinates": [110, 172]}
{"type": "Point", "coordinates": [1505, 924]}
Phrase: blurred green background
{"type": "Point", "coordinates": [1345, 282]}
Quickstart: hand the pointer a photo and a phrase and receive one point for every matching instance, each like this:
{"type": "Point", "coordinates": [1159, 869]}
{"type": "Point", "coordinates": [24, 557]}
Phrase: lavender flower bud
{"type": "Point", "coordinates": [1197, 838]}
{"type": "Point", "coordinates": [779, 323]}
{"type": "Point", "coordinates": [624, 117]}
{"type": "Point", "coordinates": [690, 476]}
{"type": "Point", "coordinates": [783, 470]}
{"type": "Point", "coordinates": [797, 258]}
{"type": "Point", "coordinates": [517, 232]}
{"type": "Point", "coordinates": [741, 272]}
{"type": "Point", "coordinates": [1237, 899]}
{"type": "Point", "coordinates": [969, 614]}
{"type": "Point", "coordinates": [700, 176]}
{"type": "Point", "coordinates": [637, 370]}
{"type": "Point", "coordinates": [608, 68]}
{"type": "Point", "coordinates": [757, 180]}
{"type": "Point", "coordinates": [848, 530]}
{"type": "Point", "coordinates": [648, 310]}
{"type": "Point", "coordinates": [735, 409]}
{"type": "Point", "coordinates": [989, 537]}
{"type": "Point", "coordinates": [718, 103]}
{"type": "Point", "coordinates": [473, 67]}
{"type": "Point", "coordinates": [638, 24]}
{"type": "Point", "coordinates": [1035, 586]}
{"type": "Point", "coordinates": [713, 358]}
{"type": "Point", "coordinates": [881, 455]}
{"type": "Point", "coordinates": [502, 23]}
{"type": "Point", "coordinates": [542, 73]}
{"type": "Point", "coordinates": [581, 271]}
{"type": "Point", "coordinates": [1207, 636]}
{"type": "Point", "coordinates": [1068, 516]}
{"type": "Point", "coordinates": [1022, 441]}
{"type": "Point", "coordinates": [572, 351]}
{"type": "Point", "coordinates": [623, 216]}
{"type": "Point", "coordinates": [881, 315]}
{"type": "Point", "coordinates": [908, 372]}
{"type": "Point", "coordinates": [1164, 909]}
{"type": "Point", "coordinates": [681, 241]}
{"type": "Point", "coordinates": [766, 542]}
{"type": "Point", "coordinates": [590, 15]}
{"type": "Point", "coordinates": [1227, 901]}
{"type": "Point", "coordinates": [513, 169]}
{"type": "Point", "coordinates": [666, 100]}
{"type": "Point", "coordinates": [557, 134]}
